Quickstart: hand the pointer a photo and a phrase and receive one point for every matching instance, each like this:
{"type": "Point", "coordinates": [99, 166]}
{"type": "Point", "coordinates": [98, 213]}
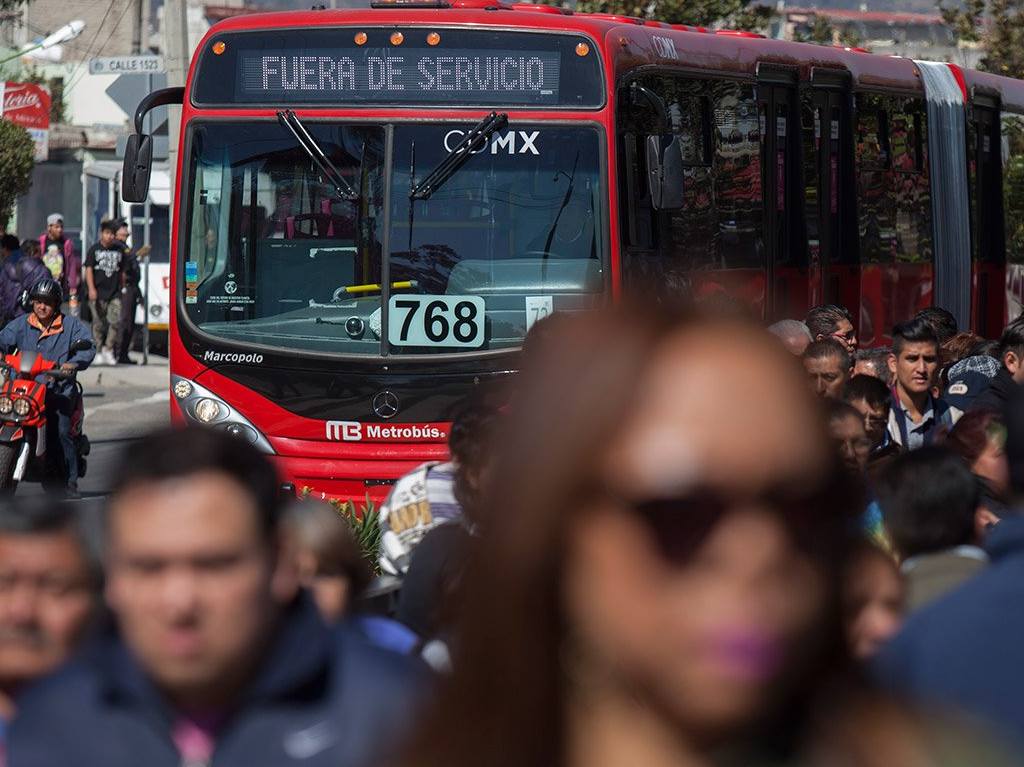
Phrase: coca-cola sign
{"type": "Point", "coordinates": [28, 105]}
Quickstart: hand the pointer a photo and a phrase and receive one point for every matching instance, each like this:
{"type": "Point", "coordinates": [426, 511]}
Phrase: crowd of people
{"type": "Point", "coordinates": [717, 546]}
{"type": "Point", "coordinates": [104, 288]}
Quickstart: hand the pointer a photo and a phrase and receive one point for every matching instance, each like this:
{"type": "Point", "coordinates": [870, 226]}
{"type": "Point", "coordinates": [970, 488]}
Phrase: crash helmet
{"type": "Point", "coordinates": [48, 291]}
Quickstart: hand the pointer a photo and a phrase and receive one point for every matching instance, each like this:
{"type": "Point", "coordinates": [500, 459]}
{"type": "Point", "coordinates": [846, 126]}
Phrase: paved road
{"type": "Point", "coordinates": [122, 403]}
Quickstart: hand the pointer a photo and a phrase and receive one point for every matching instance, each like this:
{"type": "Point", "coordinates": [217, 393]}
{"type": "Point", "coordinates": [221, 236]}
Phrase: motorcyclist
{"type": "Point", "coordinates": [51, 334]}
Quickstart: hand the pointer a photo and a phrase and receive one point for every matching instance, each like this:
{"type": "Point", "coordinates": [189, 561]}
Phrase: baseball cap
{"type": "Point", "coordinates": [54, 218]}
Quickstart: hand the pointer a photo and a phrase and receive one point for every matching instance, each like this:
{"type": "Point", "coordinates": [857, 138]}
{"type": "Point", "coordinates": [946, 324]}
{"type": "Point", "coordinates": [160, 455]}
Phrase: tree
{"type": "Point", "coordinates": [998, 25]}
{"type": "Point", "coordinates": [736, 14]}
{"type": "Point", "coordinates": [823, 32]}
{"type": "Point", "coordinates": [17, 154]}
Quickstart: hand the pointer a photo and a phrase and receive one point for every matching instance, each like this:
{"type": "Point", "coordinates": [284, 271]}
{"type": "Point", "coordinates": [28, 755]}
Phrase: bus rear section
{"type": "Point", "coordinates": [372, 218]}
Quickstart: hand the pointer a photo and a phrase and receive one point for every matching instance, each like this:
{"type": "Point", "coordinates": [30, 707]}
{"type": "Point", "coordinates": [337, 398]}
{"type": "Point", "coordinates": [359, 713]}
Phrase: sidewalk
{"type": "Point", "coordinates": [153, 376]}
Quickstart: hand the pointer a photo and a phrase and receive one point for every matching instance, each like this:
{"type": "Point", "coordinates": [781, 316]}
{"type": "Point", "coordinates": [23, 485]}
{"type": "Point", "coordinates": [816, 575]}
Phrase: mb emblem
{"type": "Point", "coordinates": [385, 404]}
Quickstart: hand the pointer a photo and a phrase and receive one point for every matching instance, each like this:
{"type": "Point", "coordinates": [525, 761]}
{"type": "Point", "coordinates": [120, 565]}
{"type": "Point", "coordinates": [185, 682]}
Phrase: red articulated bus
{"type": "Point", "coordinates": [374, 206]}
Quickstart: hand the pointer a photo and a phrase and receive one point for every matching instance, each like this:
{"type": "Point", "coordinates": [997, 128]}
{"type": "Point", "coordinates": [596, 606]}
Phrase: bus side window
{"type": "Point", "coordinates": [1013, 186]}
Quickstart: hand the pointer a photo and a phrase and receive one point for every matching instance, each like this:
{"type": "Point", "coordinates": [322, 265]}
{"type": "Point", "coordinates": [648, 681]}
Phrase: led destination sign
{"type": "Point", "coordinates": [409, 75]}
{"type": "Point", "coordinates": [329, 67]}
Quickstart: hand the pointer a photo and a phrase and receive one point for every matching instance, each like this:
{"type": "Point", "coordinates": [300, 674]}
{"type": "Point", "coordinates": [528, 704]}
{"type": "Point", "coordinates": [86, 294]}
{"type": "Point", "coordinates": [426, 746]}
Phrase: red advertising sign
{"type": "Point", "coordinates": [28, 105]}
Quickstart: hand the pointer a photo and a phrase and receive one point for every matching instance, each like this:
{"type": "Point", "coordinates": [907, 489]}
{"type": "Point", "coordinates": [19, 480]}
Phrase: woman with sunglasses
{"type": "Point", "coordinates": [658, 580]}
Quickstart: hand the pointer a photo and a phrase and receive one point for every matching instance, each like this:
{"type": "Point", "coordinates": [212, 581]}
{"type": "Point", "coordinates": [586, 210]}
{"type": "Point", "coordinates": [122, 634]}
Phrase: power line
{"type": "Point", "coordinates": [99, 28]}
{"type": "Point", "coordinates": [113, 30]}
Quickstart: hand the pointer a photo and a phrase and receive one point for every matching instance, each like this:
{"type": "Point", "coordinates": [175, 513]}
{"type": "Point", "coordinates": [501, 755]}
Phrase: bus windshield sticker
{"type": "Point", "coordinates": [537, 308]}
{"type": "Point", "coordinates": [417, 75]}
{"type": "Point", "coordinates": [436, 321]}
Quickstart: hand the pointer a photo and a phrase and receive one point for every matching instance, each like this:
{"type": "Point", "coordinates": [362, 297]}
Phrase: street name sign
{"type": "Point", "coordinates": [127, 65]}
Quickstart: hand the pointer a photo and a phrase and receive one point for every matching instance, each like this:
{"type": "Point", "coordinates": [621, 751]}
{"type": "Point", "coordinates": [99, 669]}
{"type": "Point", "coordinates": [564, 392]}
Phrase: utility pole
{"type": "Point", "coordinates": [137, 28]}
{"type": "Point", "coordinates": [176, 55]}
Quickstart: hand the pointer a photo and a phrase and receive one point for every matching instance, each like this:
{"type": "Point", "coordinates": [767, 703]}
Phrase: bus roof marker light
{"type": "Point", "coordinates": [582, 49]}
{"type": "Point", "coordinates": [360, 38]}
{"type": "Point", "coordinates": [219, 47]}
{"type": "Point", "coordinates": [397, 38]}
{"type": "Point", "coordinates": [433, 38]}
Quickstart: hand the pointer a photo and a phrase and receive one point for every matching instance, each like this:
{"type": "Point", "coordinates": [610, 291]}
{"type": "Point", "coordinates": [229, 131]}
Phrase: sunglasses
{"type": "Point", "coordinates": [679, 525]}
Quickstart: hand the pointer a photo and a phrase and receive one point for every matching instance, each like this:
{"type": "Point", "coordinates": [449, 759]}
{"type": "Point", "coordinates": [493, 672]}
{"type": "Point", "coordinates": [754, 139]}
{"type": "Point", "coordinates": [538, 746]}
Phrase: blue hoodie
{"type": "Point", "coordinates": [967, 648]}
{"type": "Point", "coordinates": [321, 698]}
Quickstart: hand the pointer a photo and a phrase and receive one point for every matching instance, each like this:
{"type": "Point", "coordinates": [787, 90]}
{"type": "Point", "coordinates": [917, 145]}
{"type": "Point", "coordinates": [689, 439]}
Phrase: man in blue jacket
{"type": "Point", "coordinates": [51, 334]}
{"type": "Point", "coordinates": [967, 649]}
{"type": "Point", "coordinates": [217, 658]}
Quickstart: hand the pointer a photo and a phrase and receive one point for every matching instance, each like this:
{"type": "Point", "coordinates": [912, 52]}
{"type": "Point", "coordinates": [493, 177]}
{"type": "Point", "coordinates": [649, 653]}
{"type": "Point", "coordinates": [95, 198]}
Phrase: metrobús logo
{"type": "Point", "coordinates": [243, 359]}
{"type": "Point", "coordinates": [355, 431]}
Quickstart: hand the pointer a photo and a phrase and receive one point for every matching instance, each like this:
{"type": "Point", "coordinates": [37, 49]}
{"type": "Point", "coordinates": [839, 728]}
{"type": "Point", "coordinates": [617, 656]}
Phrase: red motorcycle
{"type": "Point", "coordinates": [23, 417]}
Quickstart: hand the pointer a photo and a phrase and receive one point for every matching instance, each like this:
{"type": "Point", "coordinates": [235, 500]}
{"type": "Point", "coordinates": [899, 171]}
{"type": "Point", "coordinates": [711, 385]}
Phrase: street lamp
{"type": "Point", "coordinates": [69, 31]}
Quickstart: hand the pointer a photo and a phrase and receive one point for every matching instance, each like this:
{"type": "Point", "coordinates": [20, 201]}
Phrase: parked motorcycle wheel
{"type": "Point", "coordinates": [8, 457]}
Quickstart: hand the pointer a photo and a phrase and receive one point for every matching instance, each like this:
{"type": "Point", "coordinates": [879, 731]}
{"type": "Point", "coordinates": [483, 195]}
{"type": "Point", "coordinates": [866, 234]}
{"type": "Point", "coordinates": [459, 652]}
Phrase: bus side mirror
{"type": "Point", "coordinates": [665, 177]}
{"type": "Point", "coordinates": [138, 163]}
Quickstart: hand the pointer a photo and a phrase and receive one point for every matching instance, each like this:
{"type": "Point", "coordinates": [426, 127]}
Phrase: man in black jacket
{"type": "Point", "coordinates": [1010, 377]}
{"type": "Point", "coordinates": [218, 658]}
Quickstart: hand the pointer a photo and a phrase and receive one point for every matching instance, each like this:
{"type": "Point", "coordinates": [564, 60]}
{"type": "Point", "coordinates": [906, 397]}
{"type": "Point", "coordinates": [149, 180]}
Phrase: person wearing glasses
{"type": "Point", "coordinates": [658, 578]}
{"type": "Point", "coordinates": [833, 321]}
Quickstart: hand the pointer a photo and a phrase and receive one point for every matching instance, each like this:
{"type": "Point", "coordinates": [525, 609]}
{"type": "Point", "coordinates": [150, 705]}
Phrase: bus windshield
{"type": "Point", "coordinates": [276, 255]}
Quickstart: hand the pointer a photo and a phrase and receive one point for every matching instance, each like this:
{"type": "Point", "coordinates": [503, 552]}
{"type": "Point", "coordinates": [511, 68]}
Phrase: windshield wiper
{"type": "Point", "coordinates": [290, 120]}
{"type": "Point", "coordinates": [459, 156]}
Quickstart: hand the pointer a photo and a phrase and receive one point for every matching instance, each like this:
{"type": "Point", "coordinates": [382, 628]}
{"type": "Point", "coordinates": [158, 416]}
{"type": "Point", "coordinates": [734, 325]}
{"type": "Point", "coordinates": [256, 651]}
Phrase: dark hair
{"type": "Point", "coordinates": [108, 226]}
{"type": "Point", "coordinates": [9, 242]}
{"type": "Point", "coordinates": [320, 528]}
{"type": "Point", "coordinates": [836, 409]}
{"type": "Point", "coordinates": [1012, 339]}
{"type": "Point", "coordinates": [913, 331]}
{"type": "Point", "coordinates": [986, 348]}
{"type": "Point", "coordinates": [45, 516]}
{"type": "Point", "coordinates": [928, 499]}
{"type": "Point", "coordinates": [828, 347]}
{"type": "Point", "coordinates": [878, 358]}
{"type": "Point", "coordinates": [470, 442]}
{"type": "Point", "coordinates": [972, 433]}
{"type": "Point", "coordinates": [179, 453]}
{"type": "Point", "coordinates": [869, 389]}
{"type": "Point", "coordinates": [510, 650]}
{"type": "Point", "coordinates": [30, 248]}
{"type": "Point", "coordinates": [955, 348]}
{"type": "Point", "coordinates": [823, 320]}
{"type": "Point", "coordinates": [942, 322]}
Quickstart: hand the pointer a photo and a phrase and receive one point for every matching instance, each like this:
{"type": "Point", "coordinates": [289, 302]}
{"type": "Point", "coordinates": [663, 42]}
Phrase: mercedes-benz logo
{"type": "Point", "coordinates": [385, 404]}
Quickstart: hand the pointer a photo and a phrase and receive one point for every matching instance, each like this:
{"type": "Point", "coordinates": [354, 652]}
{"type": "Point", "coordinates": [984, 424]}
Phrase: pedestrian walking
{"type": "Point", "coordinates": [873, 401]}
{"type": "Point", "coordinates": [874, 600]}
{"type": "Point", "coordinates": [1010, 378]}
{"type": "Point", "coordinates": [50, 582]}
{"type": "Point", "coordinates": [104, 274]}
{"type": "Point", "coordinates": [929, 501]}
{"type": "Point", "coordinates": [916, 416]}
{"type": "Point", "coordinates": [967, 649]}
{"type": "Point", "coordinates": [828, 367]}
{"type": "Point", "coordinates": [794, 335]}
{"type": "Point", "coordinates": [63, 261]}
{"type": "Point", "coordinates": [216, 655]}
{"type": "Point", "coordinates": [131, 292]}
{"type": "Point", "coordinates": [832, 321]}
{"type": "Point", "coordinates": [647, 588]}
{"type": "Point", "coordinates": [17, 276]}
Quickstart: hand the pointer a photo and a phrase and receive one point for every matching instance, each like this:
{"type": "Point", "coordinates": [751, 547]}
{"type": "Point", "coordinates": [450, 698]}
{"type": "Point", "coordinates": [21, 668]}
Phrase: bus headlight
{"type": "Point", "coordinates": [155, 311]}
{"type": "Point", "coordinates": [198, 404]}
{"type": "Point", "coordinates": [207, 411]}
{"type": "Point", "coordinates": [6, 405]}
{"type": "Point", "coordinates": [22, 407]}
